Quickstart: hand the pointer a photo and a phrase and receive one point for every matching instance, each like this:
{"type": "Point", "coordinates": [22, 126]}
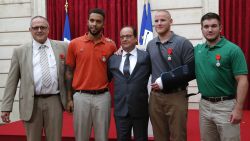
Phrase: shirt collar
{"type": "Point", "coordinates": [133, 52]}
{"type": "Point", "coordinates": [87, 39]}
{"type": "Point", "coordinates": [219, 44]}
{"type": "Point", "coordinates": [36, 45]}
{"type": "Point", "coordinates": [170, 39]}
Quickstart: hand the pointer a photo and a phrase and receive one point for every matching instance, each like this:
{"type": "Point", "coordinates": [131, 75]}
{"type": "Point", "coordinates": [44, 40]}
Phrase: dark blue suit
{"type": "Point", "coordinates": [131, 97]}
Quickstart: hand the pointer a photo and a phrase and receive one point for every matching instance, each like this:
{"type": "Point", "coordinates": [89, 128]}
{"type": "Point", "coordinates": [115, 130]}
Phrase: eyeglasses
{"type": "Point", "coordinates": [42, 28]}
{"type": "Point", "coordinates": [126, 36]}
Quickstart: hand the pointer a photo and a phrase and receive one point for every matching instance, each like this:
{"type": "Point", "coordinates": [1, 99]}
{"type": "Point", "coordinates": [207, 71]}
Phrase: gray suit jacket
{"type": "Point", "coordinates": [131, 95]}
{"type": "Point", "coordinates": [22, 69]}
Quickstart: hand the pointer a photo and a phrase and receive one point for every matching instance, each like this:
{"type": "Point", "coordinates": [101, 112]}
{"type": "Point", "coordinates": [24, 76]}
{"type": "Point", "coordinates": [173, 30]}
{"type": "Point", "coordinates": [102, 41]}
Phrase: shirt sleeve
{"type": "Point", "coordinates": [239, 65]}
{"type": "Point", "coordinates": [187, 52]}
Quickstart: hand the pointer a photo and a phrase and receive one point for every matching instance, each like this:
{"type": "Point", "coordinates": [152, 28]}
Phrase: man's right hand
{"type": "Point", "coordinates": [119, 51]}
{"type": "Point", "coordinates": [70, 106]}
{"type": "Point", "coordinates": [5, 117]}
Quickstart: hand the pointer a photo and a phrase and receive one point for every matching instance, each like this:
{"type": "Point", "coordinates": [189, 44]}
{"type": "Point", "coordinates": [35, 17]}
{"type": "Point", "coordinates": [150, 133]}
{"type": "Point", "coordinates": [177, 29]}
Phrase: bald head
{"type": "Point", "coordinates": [166, 13]}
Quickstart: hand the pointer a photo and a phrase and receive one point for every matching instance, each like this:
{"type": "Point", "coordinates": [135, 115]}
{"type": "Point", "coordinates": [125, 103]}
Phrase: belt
{"type": "Point", "coordinates": [94, 92]}
{"type": "Point", "coordinates": [175, 90]}
{"type": "Point", "coordinates": [217, 99]}
{"type": "Point", "coordinates": [45, 95]}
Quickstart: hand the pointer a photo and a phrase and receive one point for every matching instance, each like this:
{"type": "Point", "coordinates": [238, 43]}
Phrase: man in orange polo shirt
{"type": "Point", "coordinates": [86, 74]}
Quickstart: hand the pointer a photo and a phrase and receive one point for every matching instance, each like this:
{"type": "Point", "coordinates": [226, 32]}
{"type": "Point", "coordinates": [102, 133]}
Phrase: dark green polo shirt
{"type": "Point", "coordinates": [219, 80]}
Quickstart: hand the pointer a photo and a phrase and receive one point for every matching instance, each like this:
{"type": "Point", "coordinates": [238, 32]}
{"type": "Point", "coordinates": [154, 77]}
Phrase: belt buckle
{"type": "Point", "coordinates": [216, 99]}
{"type": "Point", "coordinates": [211, 99]}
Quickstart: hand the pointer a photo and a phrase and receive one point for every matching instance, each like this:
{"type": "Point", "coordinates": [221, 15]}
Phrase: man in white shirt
{"type": "Point", "coordinates": [39, 65]}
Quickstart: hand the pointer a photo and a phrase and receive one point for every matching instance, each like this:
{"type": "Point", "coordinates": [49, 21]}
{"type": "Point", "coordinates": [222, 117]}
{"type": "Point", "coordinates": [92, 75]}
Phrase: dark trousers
{"type": "Point", "coordinates": [124, 126]}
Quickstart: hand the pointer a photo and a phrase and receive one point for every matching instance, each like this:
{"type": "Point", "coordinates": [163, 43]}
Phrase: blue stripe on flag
{"type": "Point", "coordinates": [66, 32]}
{"type": "Point", "coordinates": [143, 24]}
{"type": "Point", "coordinates": [148, 29]}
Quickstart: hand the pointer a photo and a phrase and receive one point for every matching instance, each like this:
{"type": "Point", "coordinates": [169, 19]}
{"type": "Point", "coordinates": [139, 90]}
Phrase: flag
{"type": "Point", "coordinates": [146, 32]}
{"type": "Point", "coordinates": [66, 32]}
{"type": "Point", "coordinates": [143, 21]}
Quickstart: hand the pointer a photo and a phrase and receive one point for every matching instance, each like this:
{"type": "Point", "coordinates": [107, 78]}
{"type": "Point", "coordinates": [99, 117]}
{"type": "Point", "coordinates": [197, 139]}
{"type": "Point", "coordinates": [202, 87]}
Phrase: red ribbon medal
{"type": "Point", "coordinates": [170, 51]}
{"type": "Point", "coordinates": [218, 57]}
{"type": "Point", "coordinates": [103, 57]}
{"type": "Point", "coordinates": [62, 56]}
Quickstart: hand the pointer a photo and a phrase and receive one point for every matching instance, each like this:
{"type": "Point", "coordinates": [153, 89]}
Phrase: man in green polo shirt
{"type": "Point", "coordinates": [221, 74]}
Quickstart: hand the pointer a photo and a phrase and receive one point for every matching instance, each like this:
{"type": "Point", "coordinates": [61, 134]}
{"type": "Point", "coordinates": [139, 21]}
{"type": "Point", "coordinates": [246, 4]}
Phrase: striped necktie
{"type": "Point", "coordinates": [46, 78]}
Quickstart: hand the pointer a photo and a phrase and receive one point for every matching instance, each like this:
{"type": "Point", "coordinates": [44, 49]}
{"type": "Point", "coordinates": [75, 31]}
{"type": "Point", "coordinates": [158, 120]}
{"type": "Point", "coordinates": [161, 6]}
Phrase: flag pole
{"type": "Point", "coordinates": [66, 31]}
{"type": "Point", "coordinates": [66, 6]}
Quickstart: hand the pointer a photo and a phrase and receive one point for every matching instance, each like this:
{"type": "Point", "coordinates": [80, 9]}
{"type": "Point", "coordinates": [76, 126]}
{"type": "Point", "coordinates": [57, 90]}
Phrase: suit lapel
{"type": "Point", "coordinates": [29, 53]}
{"type": "Point", "coordinates": [118, 63]}
{"type": "Point", "coordinates": [139, 59]}
{"type": "Point", "coordinates": [56, 53]}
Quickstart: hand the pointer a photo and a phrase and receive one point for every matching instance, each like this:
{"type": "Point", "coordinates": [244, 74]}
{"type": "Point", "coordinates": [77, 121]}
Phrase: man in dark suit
{"type": "Point", "coordinates": [39, 65]}
{"type": "Point", "coordinates": [130, 72]}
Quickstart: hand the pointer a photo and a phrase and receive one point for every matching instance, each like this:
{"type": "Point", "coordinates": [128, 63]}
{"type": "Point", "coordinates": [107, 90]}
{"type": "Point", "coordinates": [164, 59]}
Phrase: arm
{"type": "Point", "coordinates": [242, 88]}
{"type": "Point", "coordinates": [181, 75]}
{"type": "Point", "coordinates": [69, 89]}
{"type": "Point", "coordinates": [178, 76]}
{"type": "Point", "coordinates": [119, 51]}
{"type": "Point", "coordinates": [110, 75]}
{"type": "Point", "coordinates": [11, 87]}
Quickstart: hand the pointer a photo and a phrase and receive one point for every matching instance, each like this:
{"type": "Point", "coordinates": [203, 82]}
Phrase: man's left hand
{"type": "Point", "coordinates": [236, 116]}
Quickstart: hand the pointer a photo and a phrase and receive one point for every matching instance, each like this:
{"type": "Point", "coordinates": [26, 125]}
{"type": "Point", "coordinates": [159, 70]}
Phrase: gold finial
{"type": "Point", "coordinates": [66, 6]}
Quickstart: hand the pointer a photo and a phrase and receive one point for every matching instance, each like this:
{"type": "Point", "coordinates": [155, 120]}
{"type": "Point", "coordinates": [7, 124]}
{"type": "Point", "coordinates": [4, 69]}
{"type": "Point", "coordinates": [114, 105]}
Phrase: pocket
{"type": "Point", "coordinates": [75, 94]}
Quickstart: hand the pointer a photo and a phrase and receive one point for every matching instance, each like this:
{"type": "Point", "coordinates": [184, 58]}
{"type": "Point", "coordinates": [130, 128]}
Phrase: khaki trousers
{"type": "Point", "coordinates": [47, 118]}
{"type": "Point", "coordinates": [214, 121]}
{"type": "Point", "coordinates": [91, 110]}
{"type": "Point", "coordinates": [168, 115]}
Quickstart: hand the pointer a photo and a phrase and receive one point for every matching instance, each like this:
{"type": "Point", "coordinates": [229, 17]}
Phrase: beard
{"type": "Point", "coordinates": [211, 40]}
{"type": "Point", "coordinates": [96, 33]}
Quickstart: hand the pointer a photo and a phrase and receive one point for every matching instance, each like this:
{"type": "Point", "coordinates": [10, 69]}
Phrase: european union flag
{"type": "Point", "coordinates": [66, 32]}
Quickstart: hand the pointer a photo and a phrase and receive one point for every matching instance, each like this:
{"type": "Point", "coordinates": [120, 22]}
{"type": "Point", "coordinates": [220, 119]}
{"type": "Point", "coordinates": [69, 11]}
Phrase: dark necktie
{"type": "Point", "coordinates": [46, 78]}
{"type": "Point", "coordinates": [126, 66]}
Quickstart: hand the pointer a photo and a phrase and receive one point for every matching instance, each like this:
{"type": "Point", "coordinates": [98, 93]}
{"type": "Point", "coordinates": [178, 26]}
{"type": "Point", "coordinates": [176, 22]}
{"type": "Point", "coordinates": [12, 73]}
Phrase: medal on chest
{"type": "Point", "coordinates": [217, 57]}
{"type": "Point", "coordinates": [170, 52]}
{"type": "Point", "coordinates": [104, 59]}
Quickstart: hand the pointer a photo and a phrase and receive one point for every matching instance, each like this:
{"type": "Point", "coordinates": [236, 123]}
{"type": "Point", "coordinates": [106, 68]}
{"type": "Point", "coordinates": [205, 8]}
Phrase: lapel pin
{"type": "Point", "coordinates": [218, 57]}
{"type": "Point", "coordinates": [103, 57]}
{"type": "Point", "coordinates": [62, 56]}
{"type": "Point", "coordinates": [169, 51]}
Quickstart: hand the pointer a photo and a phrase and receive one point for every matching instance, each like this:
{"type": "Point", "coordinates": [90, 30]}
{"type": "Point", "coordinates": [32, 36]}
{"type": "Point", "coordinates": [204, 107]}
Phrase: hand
{"type": "Point", "coordinates": [119, 51]}
{"type": "Point", "coordinates": [236, 116]}
{"type": "Point", "coordinates": [159, 82]}
{"type": "Point", "coordinates": [70, 106]}
{"type": "Point", "coordinates": [155, 87]}
{"type": "Point", "coordinates": [5, 117]}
